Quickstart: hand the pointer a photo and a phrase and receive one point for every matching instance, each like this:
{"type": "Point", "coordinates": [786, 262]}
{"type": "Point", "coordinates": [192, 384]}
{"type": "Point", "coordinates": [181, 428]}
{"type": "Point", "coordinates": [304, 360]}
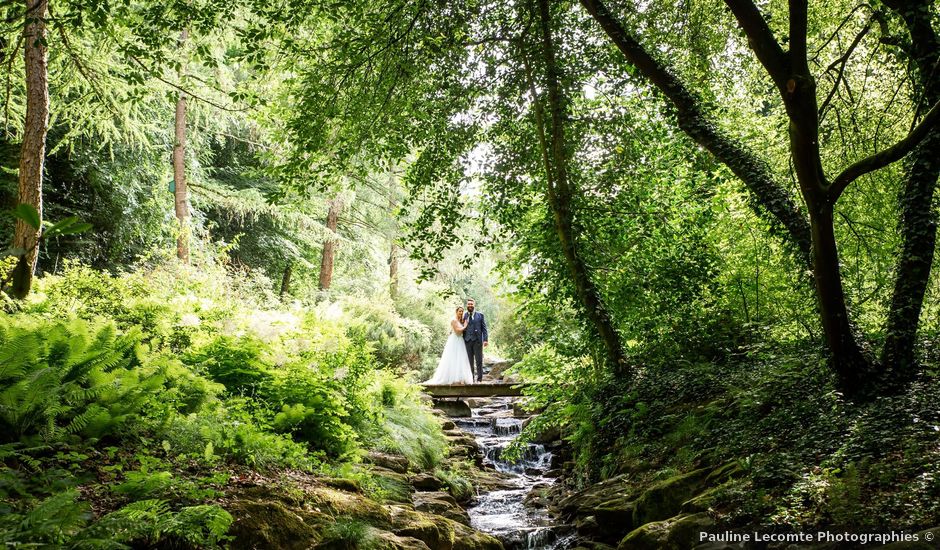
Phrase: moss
{"type": "Point", "coordinates": [676, 533]}
{"type": "Point", "coordinates": [270, 524]}
{"type": "Point", "coordinates": [664, 499]}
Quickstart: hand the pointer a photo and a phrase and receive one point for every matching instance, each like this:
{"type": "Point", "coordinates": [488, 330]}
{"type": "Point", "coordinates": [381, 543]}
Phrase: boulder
{"type": "Point", "coordinates": [426, 482]}
{"type": "Point", "coordinates": [440, 533]}
{"type": "Point", "coordinates": [442, 504]}
{"type": "Point", "coordinates": [448, 425]}
{"type": "Point", "coordinates": [664, 499]}
{"type": "Point", "coordinates": [477, 402]}
{"type": "Point", "coordinates": [676, 533]}
{"type": "Point", "coordinates": [498, 368]}
{"type": "Point", "coordinates": [270, 524]}
{"type": "Point", "coordinates": [456, 408]}
{"type": "Point", "coordinates": [383, 540]}
{"type": "Point", "coordinates": [395, 463]}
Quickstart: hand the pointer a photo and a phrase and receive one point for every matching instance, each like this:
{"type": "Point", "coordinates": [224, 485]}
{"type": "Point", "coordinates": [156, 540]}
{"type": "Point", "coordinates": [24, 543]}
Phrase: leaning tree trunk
{"type": "Point", "coordinates": [33, 148]}
{"type": "Point", "coordinates": [918, 225]}
{"type": "Point", "coordinates": [181, 192]}
{"type": "Point", "coordinates": [556, 154]}
{"type": "Point", "coordinates": [329, 245]}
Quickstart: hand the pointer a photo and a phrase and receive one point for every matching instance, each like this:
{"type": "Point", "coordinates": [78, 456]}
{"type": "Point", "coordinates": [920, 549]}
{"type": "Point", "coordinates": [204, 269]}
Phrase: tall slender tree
{"type": "Point", "coordinates": [556, 153]}
{"type": "Point", "coordinates": [180, 189]}
{"type": "Point", "coordinates": [33, 147]}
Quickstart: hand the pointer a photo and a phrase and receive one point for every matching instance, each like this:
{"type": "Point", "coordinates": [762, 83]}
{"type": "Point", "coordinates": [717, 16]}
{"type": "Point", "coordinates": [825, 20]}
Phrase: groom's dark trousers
{"type": "Point", "coordinates": [474, 336]}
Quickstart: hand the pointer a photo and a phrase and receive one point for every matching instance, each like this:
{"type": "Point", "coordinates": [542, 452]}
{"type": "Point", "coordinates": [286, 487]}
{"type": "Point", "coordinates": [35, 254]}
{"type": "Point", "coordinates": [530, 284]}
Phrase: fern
{"type": "Point", "coordinates": [69, 379]}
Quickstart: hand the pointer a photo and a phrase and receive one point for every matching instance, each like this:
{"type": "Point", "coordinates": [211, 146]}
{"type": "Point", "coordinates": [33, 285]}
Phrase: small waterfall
{"type": "Point", "coordinates": [503, 513]}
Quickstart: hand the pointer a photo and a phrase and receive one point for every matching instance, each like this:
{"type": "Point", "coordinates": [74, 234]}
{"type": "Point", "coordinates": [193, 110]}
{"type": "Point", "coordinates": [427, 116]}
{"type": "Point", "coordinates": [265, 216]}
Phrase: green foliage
{"type": "Point", "coordinates": [347, 534]}
{"type": "Point", "coordinates": [61, 521]}
{"type": "Point", "coordinates": [233, 362]}
{"type": "Point", "coordinates": [408, 427]}
{"type": "Point", "coordinates": [69, 379]}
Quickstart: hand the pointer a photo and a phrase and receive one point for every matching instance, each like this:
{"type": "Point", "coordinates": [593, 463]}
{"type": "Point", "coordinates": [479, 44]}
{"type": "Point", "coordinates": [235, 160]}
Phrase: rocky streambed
{"type": "Point", "coordinates": [509, 513]}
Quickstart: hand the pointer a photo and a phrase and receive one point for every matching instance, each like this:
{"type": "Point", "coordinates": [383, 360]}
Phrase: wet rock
{"type": "Point", "coordinates": [426, 482]}
{"type": "Point", "coordinates": [395, 463]}
{"type": "Point", "coordinates": [676, 533]}
{"type": "Point", "coordinates": [453, 408]}
{"type": "Point", "coordinates": [477, 402]}
{"type": "Point", "coordinates": [448, 425]}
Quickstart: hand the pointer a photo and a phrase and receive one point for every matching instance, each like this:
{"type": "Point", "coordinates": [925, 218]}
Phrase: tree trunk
{"type": "Point", "coordinates": [393, 270]}
{"type": "Point", "coordinates": [181, 193]}
{"type": "Point", "coordinates": [918, 224]}
{"type": "Point", "coordinates": [556, 155]}
{"type": "Point", "coordinates": [850, 364]}
{"type": "Point", "coordinates": [329, 245]}
{"type": "Point", "coordinates": [393, 253]}
{"type": "Point", "coordinates": [33, 148]}
{"type": "Point", "coordinates": [285, 279]}
{"type": "Point", "coordinates": [797, 86]}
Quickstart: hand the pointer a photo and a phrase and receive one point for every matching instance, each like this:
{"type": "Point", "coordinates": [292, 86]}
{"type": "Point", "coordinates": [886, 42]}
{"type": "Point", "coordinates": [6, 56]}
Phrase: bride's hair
{"type": "Point", "coordinates": [456, 312]}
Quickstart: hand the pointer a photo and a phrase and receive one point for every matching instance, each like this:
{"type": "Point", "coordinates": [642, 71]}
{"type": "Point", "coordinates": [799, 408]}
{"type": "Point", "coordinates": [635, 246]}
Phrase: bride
{"type": "Point", "coordinates": [454, 366]}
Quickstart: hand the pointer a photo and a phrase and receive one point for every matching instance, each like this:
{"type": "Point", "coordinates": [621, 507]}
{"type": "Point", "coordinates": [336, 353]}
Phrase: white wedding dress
{"type": "Point", "coordinates": [454, 366]}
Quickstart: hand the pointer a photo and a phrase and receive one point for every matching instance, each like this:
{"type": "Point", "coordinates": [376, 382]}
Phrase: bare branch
{"type": "Point", "coordinates": [883, 158]}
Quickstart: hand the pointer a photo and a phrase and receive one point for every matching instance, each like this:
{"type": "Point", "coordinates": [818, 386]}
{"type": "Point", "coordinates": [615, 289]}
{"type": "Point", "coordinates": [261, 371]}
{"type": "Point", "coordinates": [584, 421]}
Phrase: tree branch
{"type": "Point", "coordinates": [762, 41]}
{"type": "Point", "coordinates": [775, 203]}
{"type": "Point", "coordinates": [883, 158]}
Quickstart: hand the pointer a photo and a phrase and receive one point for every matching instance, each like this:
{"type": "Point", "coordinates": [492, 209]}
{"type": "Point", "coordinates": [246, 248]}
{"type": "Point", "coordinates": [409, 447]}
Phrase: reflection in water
{"type": "Point", "coordinates": [502, 513]}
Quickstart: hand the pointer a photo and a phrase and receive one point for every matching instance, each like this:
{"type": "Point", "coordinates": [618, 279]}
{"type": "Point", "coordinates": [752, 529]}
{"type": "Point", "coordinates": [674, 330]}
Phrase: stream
{"type": "Point", "coordinates": [502, 513]}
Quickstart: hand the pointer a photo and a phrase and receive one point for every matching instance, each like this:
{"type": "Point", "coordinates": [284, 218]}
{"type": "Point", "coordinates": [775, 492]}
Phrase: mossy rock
{"type": "Point", "coordinates": [383, 540]}
{"type": "Point", "coordinates": [441, 504]}
{"type": "Point", "coordinates": [270, 524]}
{"type": "Point", "coordinates": [676, 533]}
{"type": "Point", "coordinates": [665, 498]}
{"type": "Point", "coordinates": [583, 503]}
{"type": "Point", "coordinates": [440, 533]}
{"type": "Point", "coordinates": [435, 531]}
{"type": "Point", "coordinates": [343, 504]}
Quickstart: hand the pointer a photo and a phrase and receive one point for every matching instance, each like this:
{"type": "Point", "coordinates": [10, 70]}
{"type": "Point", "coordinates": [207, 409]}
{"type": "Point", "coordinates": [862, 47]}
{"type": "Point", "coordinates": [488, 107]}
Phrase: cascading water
{"type": "Point", "coordinates": [503, 513]}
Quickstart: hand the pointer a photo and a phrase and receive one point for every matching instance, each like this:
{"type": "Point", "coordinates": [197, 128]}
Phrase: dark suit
{"type": "Point", "coordinates": [474, 336]}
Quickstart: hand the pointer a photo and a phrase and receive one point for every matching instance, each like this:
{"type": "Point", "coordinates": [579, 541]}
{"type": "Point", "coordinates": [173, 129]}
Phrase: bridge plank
{"type": "Point", "coordinates": [474, 390]}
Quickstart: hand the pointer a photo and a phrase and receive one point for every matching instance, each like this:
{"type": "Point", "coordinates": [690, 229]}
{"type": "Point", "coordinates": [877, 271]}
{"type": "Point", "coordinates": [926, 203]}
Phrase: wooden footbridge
{"type": "Point", "coordinates": [474, 390]}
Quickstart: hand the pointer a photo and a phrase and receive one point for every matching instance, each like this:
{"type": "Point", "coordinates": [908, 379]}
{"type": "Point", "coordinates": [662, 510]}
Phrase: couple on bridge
{"type": "Point", "coordinates": [464, 347]}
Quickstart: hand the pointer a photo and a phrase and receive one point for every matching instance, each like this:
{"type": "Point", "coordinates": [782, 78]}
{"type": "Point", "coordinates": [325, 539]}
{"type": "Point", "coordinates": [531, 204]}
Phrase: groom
{"type": "Point", "coordinates": [475, 337]}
